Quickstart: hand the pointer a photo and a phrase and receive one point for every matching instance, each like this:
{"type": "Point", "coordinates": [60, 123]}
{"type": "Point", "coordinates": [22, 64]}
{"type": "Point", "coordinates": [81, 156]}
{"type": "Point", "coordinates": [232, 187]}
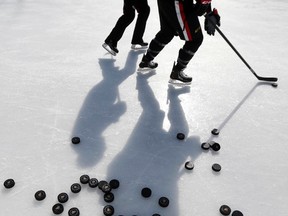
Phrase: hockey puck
{"type": "Point", "coordinates": [189, 165]}
{"type": "Point", "coordinates": [215, 132]}
{"type": "Point", "coordinates": [93, 183]}
{"type": "Point", "coordinates": [101, 183]}
{"type": "Point", "coordinates": [274, 85]}
{"type": "Point", "coordinates": [106, 188]}
{"type": "Point", "coordinates": [180, 136]}
{"type": "Point", "coordinates": [237, 213]}
{"type": "Point", "coordinates": [205, 146]}
{"type": "Point", "coordinates": [114, 183]}
{"type": "Point", "coordinates": [215, 146]}
{"type": "Point", "coordinates": [156, 215]}
{"type": "Point", "coordinates": [225, 210]}
{"type": "Point", "coordinates": [63, 197]}
{"type": "Point", "coordinates": [75, 140]}
{"type": "Point", "coordinates": [75, 188]}
{"type": "Point", "coordinates": [58, 208]}
{"type": "Point", "coordinates": [146, 192]}
{"type": "Point", "coordinates": [109, 197]}
{"type": "Point", "coordinates": [40, 195]}
{"type": "Point", "coordinates": [108, 210]}
{"type": "Point", "coordinates": [163, 202]}
{"type": "Point", "coordinates": [74, 212]}
{"type": "Point", "coordinates": [84, 179]}
{"type": "Point", "coordinates": [9, 183]}
{"type": "Point", "coordinates": [216, 167]}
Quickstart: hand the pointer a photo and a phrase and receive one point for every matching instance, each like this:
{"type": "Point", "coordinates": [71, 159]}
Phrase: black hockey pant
{"type": "Point", "coordinates": [128, 16]}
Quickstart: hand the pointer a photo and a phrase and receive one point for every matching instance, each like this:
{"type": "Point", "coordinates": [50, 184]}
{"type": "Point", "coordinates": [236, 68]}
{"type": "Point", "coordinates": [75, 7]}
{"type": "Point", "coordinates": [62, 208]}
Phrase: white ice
{"type": "Point", "coordinates": [58, 82]}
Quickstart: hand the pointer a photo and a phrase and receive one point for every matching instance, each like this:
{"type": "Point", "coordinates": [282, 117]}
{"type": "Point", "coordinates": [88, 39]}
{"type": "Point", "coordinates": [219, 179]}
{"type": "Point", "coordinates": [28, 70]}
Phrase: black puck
{"type": "Point", "coordinates": [215, 131]}
{"type": "Point", "coordinates": [93, 183]}
{"type": "Point", "coordinates": [84, 179]}
{"type": "Point", "coordinates": [163, 202]}
{"type": "Point", "coordinates": [225, 210]}
{"type": "Point", "coordinates": [101, 183]}
{"type": "Point", "coordinates": [274, 85]}
{"type": "Point", "coordinates": [215, 146]}
{"type": "Point", "coordinates": [108, 197]}
{"type": "Point", "coordinates": [189, 165]}
{"type": "Point", "coordinates": [205, 146]}
{"type": "Point", "coordinates": [74, 212]}
{"type": "Point", "coordinates": [146, 192]}
{"type": "Point", "coordinates": [106, 188]}
{"type": "Point", "coordinates": [63, 197]}
{"type": "Point", "coordinates": [75, 140]}
{"type": "Point", "coordinates": [108, 210]}
{"type": "Point", "coordinates": [180, 136]}
{"type": "Point", "coordinates": [216, 167]}
{"type": "Point", "coordinates": [40, 195]}
{"type": "Point", "coordinates": [156, 215]}
{"type": "Point", "coordinates": [237, 213]}
{"type": "Point", "coordinates": [9, 183]}
{"type": "Point", "coordinates": [75, 188]}
{"type": "Point", "coordinates": [58, 208]}
{"type": "Point", "coordinates": [114, 183]}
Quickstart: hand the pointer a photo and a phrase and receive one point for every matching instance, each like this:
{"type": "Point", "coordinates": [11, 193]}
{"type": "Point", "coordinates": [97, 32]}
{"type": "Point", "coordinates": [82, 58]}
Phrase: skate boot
{"type": "Point", "coordinates": [139, 46]}
{"type": "Point", "coordinates": [178, 77]}
{"type": "Point", "coordinates": [110, 47]}
{"type": "Point", "coordinates": [146, 65]}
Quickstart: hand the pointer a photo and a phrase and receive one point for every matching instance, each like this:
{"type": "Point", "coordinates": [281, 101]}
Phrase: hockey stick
{"type": "Point", "coordinates": [269, 79]}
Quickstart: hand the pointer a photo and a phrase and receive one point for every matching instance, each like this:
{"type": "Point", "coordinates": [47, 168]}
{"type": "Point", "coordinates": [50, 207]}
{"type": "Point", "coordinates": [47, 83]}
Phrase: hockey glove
{"type": "Point", "coordinates": [214, 17]}
{"type": "Point", "coordinates": [202, 6]}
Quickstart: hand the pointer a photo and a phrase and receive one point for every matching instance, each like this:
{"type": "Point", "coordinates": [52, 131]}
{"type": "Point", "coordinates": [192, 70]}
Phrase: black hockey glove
{"type": "Point", "coordinates": [202, 6]}
{"type": "Point", "coordinates": [214, 17]}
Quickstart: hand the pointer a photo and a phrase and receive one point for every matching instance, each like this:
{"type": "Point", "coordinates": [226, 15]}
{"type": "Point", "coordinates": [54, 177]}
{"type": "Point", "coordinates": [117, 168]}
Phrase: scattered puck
{"type": "Point", "coordinates": [215, 131]}
{"type": "Point", "coordinates": [114, 183]}
{"type": "Point", "coordinates": [63, 197]}
{"type": "Point", "coordinates": [225, 210]}
{"type": "Point", "coordinates": [163, 202]}
{"type": "Point", "coordinates": [84, 179]}
{"type": "Point", "coordinates": [108, 197]}
{"type": "Point", "coordinates": [106, 188]}
{"type": "Point", "coordinates": [58, 208]}
{"type": "Point", "coordinates": [75, 140]}
{"type": "Point", "coordinates": [215, 146]}
{"type": "Point", "coordinates": [274, 85]}
{"type": "Point", "coordinates": [101, 183]}
{"type": "Point", "coordinates": [205, 146]}
{"type": "Point", "coordinates": [189, 165]}
{"type": "Point", "coordinates": [75, 188]}
{"type": "Point", "coordinates": [74, 212]}
{"type": "Point", "coordinates": [180, 136]}
{"type": "Point", "coordinates": [146, 192]}
{"type": "Point", "coordinates": [108, 210]}
{"type": "Point", "coordinates": [216, 167]}
{"type": "Point", "coordinates": [40, 195]}
{"type": "Point", "coordinates": [93, 183]}
{"type": "Point", "coordinates": [9, 183]}
{"type": "Point", "coordinates": [237, 213]}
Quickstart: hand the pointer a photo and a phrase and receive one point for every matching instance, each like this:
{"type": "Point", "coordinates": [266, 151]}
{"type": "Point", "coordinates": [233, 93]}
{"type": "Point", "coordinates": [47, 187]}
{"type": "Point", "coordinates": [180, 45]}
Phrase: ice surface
{"type": "Point", "coordinates": [58, 82]}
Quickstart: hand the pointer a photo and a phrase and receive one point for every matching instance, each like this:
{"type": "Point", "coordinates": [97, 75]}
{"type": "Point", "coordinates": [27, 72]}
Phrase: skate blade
{"type": "Point", "coordinates": [145, 70]}
{"type": "Point", "coordinates": [178, 83]}
{"type": "Point", "coordinates": [138, 47]}
{"type": "Point", "coordinates": [107, 48]}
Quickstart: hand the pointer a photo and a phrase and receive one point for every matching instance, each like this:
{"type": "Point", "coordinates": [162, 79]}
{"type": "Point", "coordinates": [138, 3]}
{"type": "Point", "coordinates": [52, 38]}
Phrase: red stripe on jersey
{"type": "Point", "coordinates": [186, 26]}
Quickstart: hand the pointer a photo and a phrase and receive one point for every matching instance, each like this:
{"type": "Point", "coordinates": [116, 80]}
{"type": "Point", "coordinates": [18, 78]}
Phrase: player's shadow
{"type": "Point", "coordinates": [101, 108]}
{"type": "Point", "coordinates": [237, 107]}
{"type": "Point", "coordinates": [152, 156]}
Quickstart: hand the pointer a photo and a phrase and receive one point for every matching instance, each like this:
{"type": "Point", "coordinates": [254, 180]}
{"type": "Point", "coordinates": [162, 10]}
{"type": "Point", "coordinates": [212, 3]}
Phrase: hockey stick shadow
{"type": "Point", "coordinates": [238, 106]}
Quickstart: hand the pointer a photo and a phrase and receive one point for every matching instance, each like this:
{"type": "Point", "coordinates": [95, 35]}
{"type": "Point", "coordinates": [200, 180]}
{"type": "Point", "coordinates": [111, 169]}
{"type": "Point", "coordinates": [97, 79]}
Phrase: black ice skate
{"type": "Point", "coordinates": [110, 47]}
{"type": "Point", "coordinates": [146, 65]}
{"type": "Point", "coordinates": [178, 77]}
{"type": "Point", "coordinates": [139, 46]}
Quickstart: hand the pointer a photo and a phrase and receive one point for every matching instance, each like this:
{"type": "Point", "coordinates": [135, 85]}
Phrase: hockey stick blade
{"type": "Point", "coordinates": [268, 79]}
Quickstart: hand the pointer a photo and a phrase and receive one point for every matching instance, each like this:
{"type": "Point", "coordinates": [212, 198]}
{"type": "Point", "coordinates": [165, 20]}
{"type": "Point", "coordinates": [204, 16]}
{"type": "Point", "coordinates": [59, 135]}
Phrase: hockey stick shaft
{"type": "Point", "coordinates": [270, 79]}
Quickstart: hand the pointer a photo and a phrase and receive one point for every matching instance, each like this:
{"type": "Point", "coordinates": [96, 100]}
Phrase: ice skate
{"type": "Point", "coordinates": [178, 77]}
{"type": "Point", "coordinates": [110, 47]}
{"type": "Point", "coordinates": [139, 46]}
{"type": "Point", "coordinates": [146, 65]}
